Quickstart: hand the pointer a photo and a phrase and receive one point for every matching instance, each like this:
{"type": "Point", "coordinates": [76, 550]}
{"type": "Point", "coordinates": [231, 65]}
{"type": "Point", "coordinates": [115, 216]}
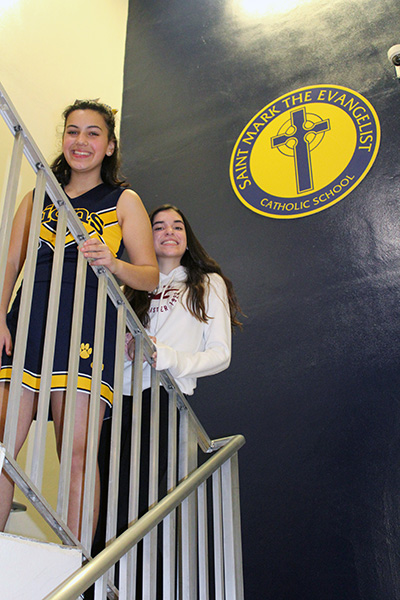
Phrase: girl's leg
{"type": "Point", "coordinates": [78, 455]}
{"type": "Point", "coordinates": [27, 411]}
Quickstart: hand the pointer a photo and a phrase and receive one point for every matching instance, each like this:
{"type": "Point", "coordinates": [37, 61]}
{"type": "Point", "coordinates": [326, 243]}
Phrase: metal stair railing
{"type": "Point", "coordinates": [185, 553]}
{"type": "Point", "coordinates": [223, 464]}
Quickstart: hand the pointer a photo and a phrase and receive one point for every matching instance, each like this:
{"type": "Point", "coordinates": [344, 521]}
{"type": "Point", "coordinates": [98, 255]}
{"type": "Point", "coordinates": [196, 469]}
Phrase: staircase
{"type": "Point", "coordinates": [190, 538]}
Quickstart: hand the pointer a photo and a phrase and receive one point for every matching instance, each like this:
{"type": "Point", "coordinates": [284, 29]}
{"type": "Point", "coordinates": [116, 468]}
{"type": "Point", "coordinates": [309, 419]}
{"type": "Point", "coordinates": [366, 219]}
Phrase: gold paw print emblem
{"type": "Point", "coordinates": [85, 351]}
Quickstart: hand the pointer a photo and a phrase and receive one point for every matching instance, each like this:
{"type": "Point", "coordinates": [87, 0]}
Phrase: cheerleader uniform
{"type": "Point", "coordinates": [97, 209]}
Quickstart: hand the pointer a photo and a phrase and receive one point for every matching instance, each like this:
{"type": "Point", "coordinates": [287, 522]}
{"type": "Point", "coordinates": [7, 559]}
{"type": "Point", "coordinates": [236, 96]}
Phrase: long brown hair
{"type": "Point", "coordinates": [110, 168]}
{"type": "Point", "coordinates": [198, 264]}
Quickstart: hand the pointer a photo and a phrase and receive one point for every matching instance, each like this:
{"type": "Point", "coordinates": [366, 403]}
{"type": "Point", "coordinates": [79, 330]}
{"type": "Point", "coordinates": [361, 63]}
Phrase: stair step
{"type": "Point", "coordinates": [32, 569]}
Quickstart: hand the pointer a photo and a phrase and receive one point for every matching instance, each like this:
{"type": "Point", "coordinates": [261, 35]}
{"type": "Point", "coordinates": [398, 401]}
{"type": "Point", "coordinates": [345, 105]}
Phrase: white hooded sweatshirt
{"type": "Point", "coordinates": [187, 347]}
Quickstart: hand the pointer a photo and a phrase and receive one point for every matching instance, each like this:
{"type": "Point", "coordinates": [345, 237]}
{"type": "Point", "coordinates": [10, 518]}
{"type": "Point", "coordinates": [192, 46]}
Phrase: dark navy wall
{"type": "Point", "coordinates": [314, 383]}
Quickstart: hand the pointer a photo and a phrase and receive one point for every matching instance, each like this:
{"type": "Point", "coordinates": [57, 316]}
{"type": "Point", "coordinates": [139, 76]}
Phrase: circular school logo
{"type": "Point", "coordinates": [305, 151]}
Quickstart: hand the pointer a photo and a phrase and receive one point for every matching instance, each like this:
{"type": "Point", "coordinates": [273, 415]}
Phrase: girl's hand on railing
{"type": "Point", "coordinates": [99, 254]}
{"type": "Point", "coordinates": [154, 355]}
{"type": "Point", "coordinates": [129, 346]}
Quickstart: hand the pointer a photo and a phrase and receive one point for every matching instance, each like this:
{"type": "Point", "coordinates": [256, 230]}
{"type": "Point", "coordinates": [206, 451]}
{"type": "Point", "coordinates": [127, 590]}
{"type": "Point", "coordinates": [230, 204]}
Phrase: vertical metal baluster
{"type": "Point", "coordinates": [203, 542]}
{"type": "Point", "coordinates": [169, 524]}
{"type": "Point", "coordinates": [23, 317]}
{"type": "Point", "coordinates": [231, 529]}
{"type": "Point", "coordinates": [115, 446]}
{"type": "Point", "coordinates": [128, 564]}
{"type": "Point", "coordinates": [72, 384]}
{"type": "Point", "coordinates": [94, 410]}
{"type": "Point", "coordinates": [218, 536]}
{"type": "Point", "coordinates": [188, 553]}
{"type": "Point", "coordinates": [9, 203]}
{"type": "Point", "coordinates": [39, 446]}
{"type": "Point", "coordinates": [150, 540]}
{"type": "Point", "coordinates": [154, 438]}
{"type": "Point", "coordinates": [100, 588]}
{"type": "Point", "coordinates": [126, 587]}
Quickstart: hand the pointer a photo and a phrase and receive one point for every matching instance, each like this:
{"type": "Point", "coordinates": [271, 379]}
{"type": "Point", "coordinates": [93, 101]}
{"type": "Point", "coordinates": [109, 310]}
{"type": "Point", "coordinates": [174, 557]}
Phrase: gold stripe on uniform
{"type": "Point", "coordinates": [58, 382]}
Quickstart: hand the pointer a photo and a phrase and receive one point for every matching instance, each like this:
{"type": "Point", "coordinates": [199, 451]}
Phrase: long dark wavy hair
{"type": "Point", "coordinates": [198, 265]}
{"type": "Point", "coordinates": [110, 168]}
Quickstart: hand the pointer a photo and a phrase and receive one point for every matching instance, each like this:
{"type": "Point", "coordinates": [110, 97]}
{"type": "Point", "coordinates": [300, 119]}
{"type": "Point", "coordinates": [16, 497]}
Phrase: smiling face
{"type": "Point", "coordinates": [169, 238]}
{"type": "Point", "coordinates": [85, 141]}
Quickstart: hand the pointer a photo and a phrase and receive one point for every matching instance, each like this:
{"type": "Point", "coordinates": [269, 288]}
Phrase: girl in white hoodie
{"type": "Point", "coordinates": [191, 312]}
{"type": "Point", "coordinates": [189, 317]}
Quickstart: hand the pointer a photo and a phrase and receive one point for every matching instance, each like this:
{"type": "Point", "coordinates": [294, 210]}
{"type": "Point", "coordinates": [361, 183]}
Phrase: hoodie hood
{"type": "Point", "coordinates": [177, 274]}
